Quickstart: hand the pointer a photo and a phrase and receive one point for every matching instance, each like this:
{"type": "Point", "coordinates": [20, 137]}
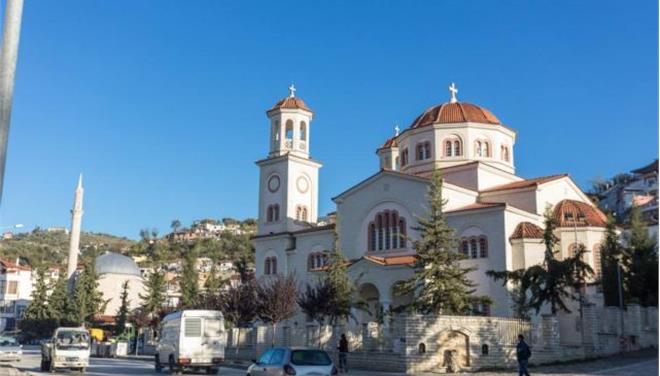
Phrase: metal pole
{"type": "Point", "coordinates": [10, 38]}
{"type": "Point", "coordinates": [620, 283]}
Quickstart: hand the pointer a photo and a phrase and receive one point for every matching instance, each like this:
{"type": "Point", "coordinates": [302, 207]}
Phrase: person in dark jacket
{"type": "Point", "coordinates": [523, 353]}
{"type": "Point", "coordinates": [343, 353]}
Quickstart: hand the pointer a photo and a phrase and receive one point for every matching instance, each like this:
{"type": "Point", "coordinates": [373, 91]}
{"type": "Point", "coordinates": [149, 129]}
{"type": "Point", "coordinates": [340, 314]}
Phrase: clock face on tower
{"type": "Point", "coordinates": [274, 183]}
{"type": "Point", "coordinates": [302, 184]}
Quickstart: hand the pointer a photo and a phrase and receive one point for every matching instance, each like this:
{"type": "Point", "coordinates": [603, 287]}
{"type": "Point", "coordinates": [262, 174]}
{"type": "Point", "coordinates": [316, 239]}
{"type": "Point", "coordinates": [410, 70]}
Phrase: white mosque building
{"type": "Point", "coordinates": [497, 215]}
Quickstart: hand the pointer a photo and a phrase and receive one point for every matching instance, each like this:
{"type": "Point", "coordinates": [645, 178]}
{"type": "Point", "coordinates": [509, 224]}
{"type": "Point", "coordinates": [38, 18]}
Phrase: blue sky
{"type": "Point", "coordinates": [161, 104]}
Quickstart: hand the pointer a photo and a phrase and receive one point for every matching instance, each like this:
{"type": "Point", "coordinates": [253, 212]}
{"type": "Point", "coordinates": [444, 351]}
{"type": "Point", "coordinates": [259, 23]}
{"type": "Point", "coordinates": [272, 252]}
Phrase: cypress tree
{"type": "Point", "coordinates": [441, 284]}
{"type": "Point", "coordinates": [87, 300]}
{"type": "Point", "coordinates": [189, 282]}
{"type": "Point", "coordinates": [641, 260]}
{"type": "Point", "coordinates": [123, 311]}
{"type": "Point", "coordinates": [611, 253]}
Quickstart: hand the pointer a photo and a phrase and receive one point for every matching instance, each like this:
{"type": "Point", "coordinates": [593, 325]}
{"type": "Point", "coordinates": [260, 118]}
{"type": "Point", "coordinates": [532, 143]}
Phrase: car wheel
{"type": "Point", "coordinates": [157, 366]}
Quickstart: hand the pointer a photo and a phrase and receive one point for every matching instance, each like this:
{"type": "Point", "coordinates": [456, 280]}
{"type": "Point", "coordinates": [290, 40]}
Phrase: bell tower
{"type": "Point", "coordinates": [288, 183]}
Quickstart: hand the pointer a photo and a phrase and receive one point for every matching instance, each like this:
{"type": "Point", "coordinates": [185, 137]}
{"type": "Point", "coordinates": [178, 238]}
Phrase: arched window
{"type": "Point", "coordinates": [453, 147]}
{"type": "Point", "coordinates": [483, 246]}
{"type": "Point", "coordinates": [427, 150]}
{"type": "Point", "coordinates": [419, 151]}
{"type": "Point", "coordinates": [486, 151]}
{"type": "Point", "coordinates": [484, 349]}
{"type": "Point", "coordinates": [270, 265]}
{"type": "Point", "coordinates": [404, 157]}
{"type": "Point", "coordinates": [289, 130]}
{"type": "Point", "coordinates": [457, 148]}
{"type": "Point", "coordinates": [273, 213]}
{"type": "Point", "coordinates": [597, 261]}
{"type": "Point", "coordinates": [317, 260]}
{"type": "Point", "coordinates": [301, 213]}
{"type": "Point", "coordinates": [387, 231]}
{"type": "Point", "coordinates": [505, 153]}
{"type": "Point", "coordinates": [421, 349]}
{"type": "Point", "coordinates": [303, 131]}
{"type": "Point", "coordinates": [474, 247]}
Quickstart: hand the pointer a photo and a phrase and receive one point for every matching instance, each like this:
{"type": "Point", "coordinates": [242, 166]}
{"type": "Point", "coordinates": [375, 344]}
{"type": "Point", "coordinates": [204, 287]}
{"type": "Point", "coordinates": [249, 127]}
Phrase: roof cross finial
{"type": "Point", "coordinates": [396, 129]}
{"type": "Point", "coordinates": [292, 91]}
{"type": "Point", "coordinates": [453, 90]}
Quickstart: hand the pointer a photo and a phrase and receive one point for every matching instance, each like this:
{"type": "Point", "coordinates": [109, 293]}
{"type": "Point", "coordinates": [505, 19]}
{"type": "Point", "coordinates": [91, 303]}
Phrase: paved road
{"type": "Point", "coordinates": [635, 365]}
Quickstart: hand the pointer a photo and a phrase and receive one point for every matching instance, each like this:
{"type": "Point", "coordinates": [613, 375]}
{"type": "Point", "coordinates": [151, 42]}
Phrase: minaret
{"type": "Point", "coordinates": [76, 219]}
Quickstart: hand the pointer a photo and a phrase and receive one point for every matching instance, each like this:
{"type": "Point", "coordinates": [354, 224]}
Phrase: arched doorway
{"type": "Point", "coordinates": [458, 344]}
{"type": "Point", "coordinates": [371, 296]}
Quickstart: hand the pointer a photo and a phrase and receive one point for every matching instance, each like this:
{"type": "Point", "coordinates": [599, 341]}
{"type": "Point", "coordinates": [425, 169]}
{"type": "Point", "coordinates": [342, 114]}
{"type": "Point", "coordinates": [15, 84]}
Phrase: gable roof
{"type": "Point", "coordinates": [477, 206]}
{"type": "Point", "coordinates": [527, 183]}
{"type": "Point", "coordinates": [375, 176]}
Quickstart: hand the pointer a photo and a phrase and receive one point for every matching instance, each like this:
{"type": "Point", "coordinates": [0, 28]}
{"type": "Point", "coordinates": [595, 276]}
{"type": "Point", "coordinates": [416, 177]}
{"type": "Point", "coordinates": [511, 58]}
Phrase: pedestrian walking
{"type": "Point", "coordinates": [523, 353]}
{"type": "Point", "coordinates": [343, 354]}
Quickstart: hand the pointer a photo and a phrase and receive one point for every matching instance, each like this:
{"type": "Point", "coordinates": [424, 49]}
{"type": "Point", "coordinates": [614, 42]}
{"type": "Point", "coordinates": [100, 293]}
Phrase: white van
{"type": "Point", "coordinates": [192, 339]}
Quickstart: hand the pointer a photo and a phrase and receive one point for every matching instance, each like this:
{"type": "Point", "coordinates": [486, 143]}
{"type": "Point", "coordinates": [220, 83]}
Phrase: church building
{"type": "Point", "coordinates": [497, 215]}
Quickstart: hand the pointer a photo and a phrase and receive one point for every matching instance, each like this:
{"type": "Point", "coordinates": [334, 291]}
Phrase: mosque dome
{"type": "Point", "coordinates": [455, 112]}
{"type": "Point", "coordinates": [114, 263]}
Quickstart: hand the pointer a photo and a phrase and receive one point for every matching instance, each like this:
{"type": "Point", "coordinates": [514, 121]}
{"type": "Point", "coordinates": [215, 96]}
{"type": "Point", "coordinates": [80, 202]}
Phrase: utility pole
{"type": "Point", "coordinates": [10, 37]}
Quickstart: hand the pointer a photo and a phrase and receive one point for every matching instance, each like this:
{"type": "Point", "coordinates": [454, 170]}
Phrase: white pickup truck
{"type": "Point", "coordinates": [69, 348]}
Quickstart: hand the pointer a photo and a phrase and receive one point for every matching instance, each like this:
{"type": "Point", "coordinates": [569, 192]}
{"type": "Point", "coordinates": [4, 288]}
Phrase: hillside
{"type": "Point", "coordinates": [52, 247]}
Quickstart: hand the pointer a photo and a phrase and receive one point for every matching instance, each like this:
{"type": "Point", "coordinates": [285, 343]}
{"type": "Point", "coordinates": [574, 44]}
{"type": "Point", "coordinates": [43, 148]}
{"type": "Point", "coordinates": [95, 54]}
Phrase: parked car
{"type": "Point", "coordinates": [69, 348]}
{"type": "Point", "coordinates": [10, 350]}
{"type": "Point", "coordinates": [192, 339]}
{"type": "Point", "coordinates": [284, 361]}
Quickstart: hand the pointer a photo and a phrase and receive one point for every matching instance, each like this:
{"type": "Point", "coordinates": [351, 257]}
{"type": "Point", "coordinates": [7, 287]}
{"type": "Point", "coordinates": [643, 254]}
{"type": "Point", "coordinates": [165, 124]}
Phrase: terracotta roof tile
{"type": "Point", "coordinates": [13, 266]}
{"type": "Point", "coordinates": [570, 213]}
{"type": "Point", "coordinates": [290, 103]}
{"type": "Point", "coordinates": [392, 260]}
{"type": "Point", "coordinates": [391, 142]}
{"type": "Point", "coordinates": [527, 230]}
{"type": "Point", "coordinates": [447, 113]}
{"type": "Point", "coordinates": [525, 183]}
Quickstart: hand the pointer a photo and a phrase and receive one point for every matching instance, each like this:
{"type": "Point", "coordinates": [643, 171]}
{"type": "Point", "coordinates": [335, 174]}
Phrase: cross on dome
{"type": "Point", "coordinates": [292, 91]}
{"type": "Point", "coordinates": [453, 89]}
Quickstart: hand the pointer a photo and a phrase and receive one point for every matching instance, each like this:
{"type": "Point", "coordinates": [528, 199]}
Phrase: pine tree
{"type": "Point", "coordinates": [611, 254]}
{"type": "Point", "coordinates": [189, 282]}
{"type": "Point", "coordinates": [641, 262]}
{"type": "Point", "coordinates": [441, 284]}
{"type": "Point", "coordinates": [59, 300]}
{"type": "Point", "coordinates": [153, 298]}
{"type": "Point", "coordinates": [123, 311]}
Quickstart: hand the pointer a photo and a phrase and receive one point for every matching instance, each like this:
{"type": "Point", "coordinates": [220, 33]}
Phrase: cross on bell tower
{"type": "Point", "coordinates": [292, 91]}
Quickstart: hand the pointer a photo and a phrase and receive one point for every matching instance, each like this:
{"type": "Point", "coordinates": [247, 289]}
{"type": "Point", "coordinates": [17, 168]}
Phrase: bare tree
{"type": "Point", "coordinates": [316, 302]}
{"type": "Point", "coordinates": [239, 305]}
{"type": "Point", "coordinates": [276, 297]}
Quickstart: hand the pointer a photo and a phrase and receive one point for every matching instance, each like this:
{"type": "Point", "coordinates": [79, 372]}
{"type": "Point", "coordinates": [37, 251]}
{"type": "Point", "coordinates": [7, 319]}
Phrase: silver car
{"type": "Point", "coordinates": [10, 350]}
{"type": "Point", "coordinates": [290, 361]}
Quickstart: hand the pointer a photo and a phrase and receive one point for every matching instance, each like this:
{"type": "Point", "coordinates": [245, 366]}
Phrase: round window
{"type": "Point", "coordinates": [274, 183]}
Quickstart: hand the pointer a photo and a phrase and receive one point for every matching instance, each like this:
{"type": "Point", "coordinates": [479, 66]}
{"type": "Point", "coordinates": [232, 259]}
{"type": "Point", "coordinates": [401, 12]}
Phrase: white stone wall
{"type": "Point", "coordinates": [111, 285]}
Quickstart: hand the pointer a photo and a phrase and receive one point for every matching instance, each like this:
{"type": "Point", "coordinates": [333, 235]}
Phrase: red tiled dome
{"type": "Point", "coordinates": [527, 230]}
{"type": "Point", "coordinates": [290, 103]}
{"type": "Point", "coordinates": [569, 213]}
{"type": "Point", "coordinates": [447, 113]}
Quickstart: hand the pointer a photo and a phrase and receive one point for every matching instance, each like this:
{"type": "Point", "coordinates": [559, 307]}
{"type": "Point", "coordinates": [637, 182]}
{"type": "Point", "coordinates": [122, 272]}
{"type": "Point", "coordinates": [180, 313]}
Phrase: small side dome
{"type": "Point", "coordinates": [390, 143]}
{"type": "Point", "coordinates": [114, 263]}
{"type": "Point", "coordinates": [527, 230]}
{"type": "Point", "coordinates": [570, 213]}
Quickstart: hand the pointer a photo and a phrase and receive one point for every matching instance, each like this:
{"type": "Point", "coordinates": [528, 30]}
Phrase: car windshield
{"type": "Point", "coordinates": [8, 341]}
{"type": "Point", "coordinates": [70, 339]}
{"type": "Point", "coordinates": [310, 358]}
